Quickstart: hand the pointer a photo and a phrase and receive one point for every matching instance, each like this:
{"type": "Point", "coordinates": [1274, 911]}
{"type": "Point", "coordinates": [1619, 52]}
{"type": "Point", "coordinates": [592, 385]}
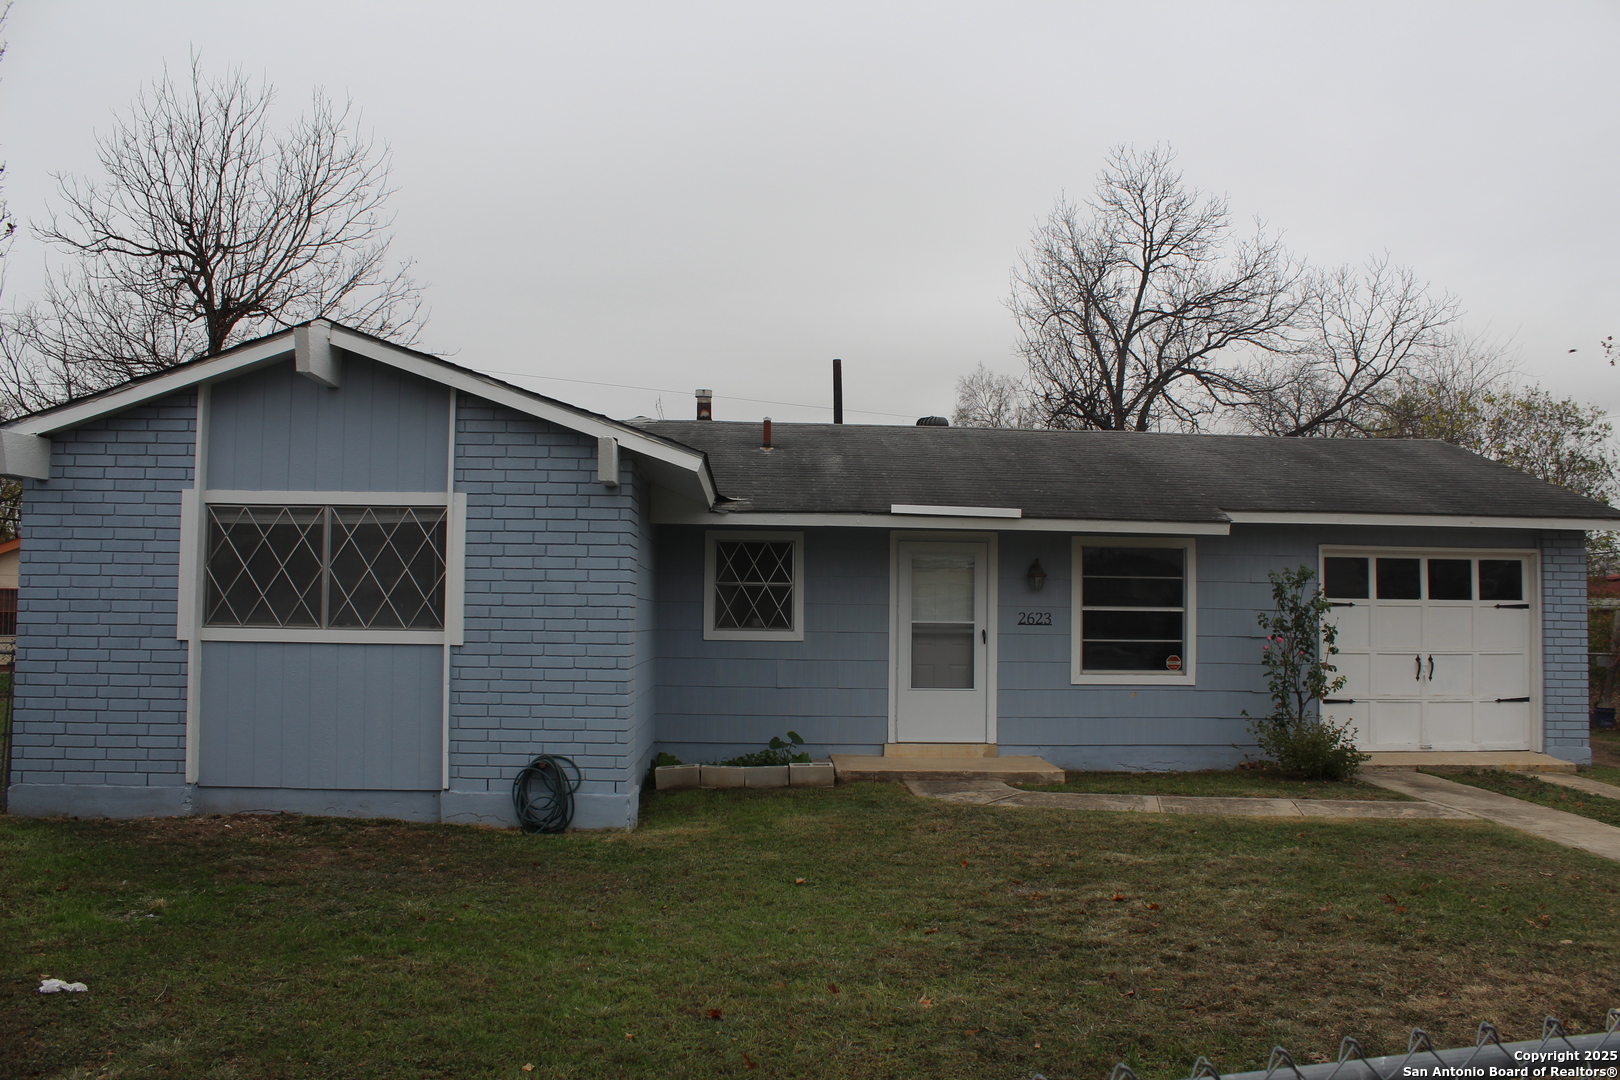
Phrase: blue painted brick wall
{"type": "Point", "coordinates": [100, 694]}
{"type": "Point", "coordinates": [551, 608]}
{"type": "Point", "coordinates": [1564, 665]}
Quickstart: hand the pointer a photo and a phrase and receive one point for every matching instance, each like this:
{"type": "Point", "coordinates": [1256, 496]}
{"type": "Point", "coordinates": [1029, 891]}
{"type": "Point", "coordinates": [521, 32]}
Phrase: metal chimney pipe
{"type": "Point", "coordinates": [705, 404]}
{"type": "Point", "coordinates": [766, 444]}
{"type": "Point", "coordinates": [838, 391]}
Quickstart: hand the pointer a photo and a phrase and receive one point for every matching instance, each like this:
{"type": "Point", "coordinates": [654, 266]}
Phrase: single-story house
{"type": "Point", "coordinates": [324, 573]}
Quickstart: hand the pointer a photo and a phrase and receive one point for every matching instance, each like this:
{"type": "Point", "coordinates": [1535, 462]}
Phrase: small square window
{"type": "Point", "coordinates": [752, 586]}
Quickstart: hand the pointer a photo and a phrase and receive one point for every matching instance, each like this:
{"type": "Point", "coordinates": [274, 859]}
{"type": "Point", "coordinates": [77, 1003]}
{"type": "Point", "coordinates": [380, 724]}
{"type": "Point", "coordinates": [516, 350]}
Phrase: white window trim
{"type": "Point", "coordinates": [1188, 675]}
{"type": "Point", "coordinates": [710, 633]}
{"type": "Point", "coordinates": [193, 556]}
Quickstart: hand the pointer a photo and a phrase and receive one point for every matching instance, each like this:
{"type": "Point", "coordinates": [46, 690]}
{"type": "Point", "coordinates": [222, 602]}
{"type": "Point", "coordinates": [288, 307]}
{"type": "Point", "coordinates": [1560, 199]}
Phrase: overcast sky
{"type": "Point", "coordinates": [729, 195]}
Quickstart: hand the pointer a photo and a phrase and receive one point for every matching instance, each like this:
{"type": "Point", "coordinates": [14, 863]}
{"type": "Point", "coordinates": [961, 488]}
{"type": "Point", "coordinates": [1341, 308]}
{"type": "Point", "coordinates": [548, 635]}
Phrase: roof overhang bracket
{"type": "Point", "coordinates": [25, 456]}
{"type": "Point", "coordinates": [313, 355]}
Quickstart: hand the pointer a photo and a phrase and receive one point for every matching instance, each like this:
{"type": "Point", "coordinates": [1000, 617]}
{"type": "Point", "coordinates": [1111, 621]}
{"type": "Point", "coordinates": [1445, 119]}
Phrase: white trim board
{"type": "Point", "coordinates": [678, 467]}
{"type": "Point", "coordinates": [957, 511]}
{"type": "Point", "coordinates": [326, 498]}
{"type": "Point", "coordinates": [743, 520]}
{"type": "Point", "coordinates": [1447, 521]}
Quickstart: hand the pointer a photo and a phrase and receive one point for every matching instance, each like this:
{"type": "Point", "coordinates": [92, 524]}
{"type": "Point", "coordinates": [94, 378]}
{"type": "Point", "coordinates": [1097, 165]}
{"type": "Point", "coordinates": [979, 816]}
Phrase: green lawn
{"type": "Point", "coordinates": [1605, 756]}
{"type": "Point", "coordinates": [1531, 789]}
{"type": "Point", "coordinates": [1245, 783]}
{"type": "Point", "coordinates": [848, 932]}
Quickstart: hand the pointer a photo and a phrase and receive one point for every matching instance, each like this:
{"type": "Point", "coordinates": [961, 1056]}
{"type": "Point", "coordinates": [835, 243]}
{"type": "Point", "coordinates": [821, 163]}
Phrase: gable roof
{"type": "Point", "coordinates": [675, 466]}
{"type": "Point", "coordinates": [1037, 478]}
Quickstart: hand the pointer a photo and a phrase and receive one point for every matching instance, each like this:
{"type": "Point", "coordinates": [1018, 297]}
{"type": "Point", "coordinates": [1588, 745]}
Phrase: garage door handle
{"type": "Point", "coordinates": [1419, 660]}
{"type": "Point", "coordinates": [1338, 701]}
{"type": "Point", "coordinates": [1513, 605]}
{"type": "Point", "coordinates": [1335, 603]}
{"type": "Point", "coordinates": [1506, 700]}
{"type": "Point", "coordinates": [1431, 667]}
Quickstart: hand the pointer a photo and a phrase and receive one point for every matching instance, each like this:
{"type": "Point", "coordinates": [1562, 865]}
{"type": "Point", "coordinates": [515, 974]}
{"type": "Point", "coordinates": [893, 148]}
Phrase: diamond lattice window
{"type": "Point", "coordinates": [326, 566]}
{"type": "Point", "coordinates": [753, 585]}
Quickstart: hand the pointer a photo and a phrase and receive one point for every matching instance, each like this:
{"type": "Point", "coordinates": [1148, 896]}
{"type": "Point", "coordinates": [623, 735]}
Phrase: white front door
{"type": "Point", "coordinates": [1435, 648]}
{"type": "Point", "coordinates": [943, 625]}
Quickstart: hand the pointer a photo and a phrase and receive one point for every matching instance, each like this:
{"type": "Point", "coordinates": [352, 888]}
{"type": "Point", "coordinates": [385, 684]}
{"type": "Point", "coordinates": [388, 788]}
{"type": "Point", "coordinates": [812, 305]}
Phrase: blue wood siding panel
{"type": "Point", "coordinates": [719, 698]}
{"type": "Point", "coordinates": [381, 430]}
{"type": "Point", "coordinates": [100, 678]}
{"type": "Point", "coordinates": [342, 717]}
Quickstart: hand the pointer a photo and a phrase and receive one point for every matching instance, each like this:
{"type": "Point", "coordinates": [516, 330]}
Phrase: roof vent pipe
{"type": "Point", "coordinates": [705, 404]}
{"type": "Point", "coordinates": [838, 391]}
{"type": "Point", "coordinates": [933, 421]}
{"type": "Point", "coordinates": [765, 444]}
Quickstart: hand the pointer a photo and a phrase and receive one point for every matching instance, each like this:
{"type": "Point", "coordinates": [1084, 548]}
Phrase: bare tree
{"type": "Point", "coordinates": [1132, 309]}
{"type": "Point", "coordinates": [1356, 333]}
{"type": "Point", "coordinates": [210, 228]}
{"type": "Point", "coordinates": [990, 399]}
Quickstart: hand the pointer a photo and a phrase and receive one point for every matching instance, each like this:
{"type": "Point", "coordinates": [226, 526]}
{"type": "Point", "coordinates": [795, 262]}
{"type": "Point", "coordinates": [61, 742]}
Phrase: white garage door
{"type": "Point", "coordinates": [1435, 647]}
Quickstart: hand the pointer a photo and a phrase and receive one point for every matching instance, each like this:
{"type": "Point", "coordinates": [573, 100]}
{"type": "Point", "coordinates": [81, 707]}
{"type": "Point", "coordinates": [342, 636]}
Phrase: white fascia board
{"type": "Point", "coordinates": [685, 470]}
{"type": "Point", "coordinates": [666, 515]}
{"type": "Point", "coordinates": [690, 463]}
{"type": "Point", "coordinates": [957, 511]}
{"type": "Point", "coordinates": [1446, 521]}
{"type": "Point", "coordinates": [234, 363]}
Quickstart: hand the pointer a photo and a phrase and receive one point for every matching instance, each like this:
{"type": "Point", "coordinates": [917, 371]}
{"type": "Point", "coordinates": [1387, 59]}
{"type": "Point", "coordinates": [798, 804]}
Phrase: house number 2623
{"type": "Point", "coordinates": [1034, 618]}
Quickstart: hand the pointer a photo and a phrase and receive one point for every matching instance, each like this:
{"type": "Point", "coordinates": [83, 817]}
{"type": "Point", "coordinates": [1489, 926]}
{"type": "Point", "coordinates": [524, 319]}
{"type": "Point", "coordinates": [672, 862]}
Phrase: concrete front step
{"type": "Point", "coordinates": [1509, 760]}
{"type": "Point", "coordinates": [1009, 770]}
{"type": "Point", "coordinates": [939, 749]}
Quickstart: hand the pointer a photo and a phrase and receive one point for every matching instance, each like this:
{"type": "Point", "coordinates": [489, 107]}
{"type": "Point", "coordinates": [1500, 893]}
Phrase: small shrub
{"type": "Point", "coordinates": [777, 752]}
{"type": "Point", "coordinates": [1299, 675]}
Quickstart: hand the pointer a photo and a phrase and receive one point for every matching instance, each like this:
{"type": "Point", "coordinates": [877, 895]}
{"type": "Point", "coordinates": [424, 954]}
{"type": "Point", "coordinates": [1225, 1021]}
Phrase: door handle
{"type": "Point", "coordinates": [984, 637]}
{"type": "Point", "coordinates": [1419, 660]}
{"type": "Point", "coordinates": [1431, 667]}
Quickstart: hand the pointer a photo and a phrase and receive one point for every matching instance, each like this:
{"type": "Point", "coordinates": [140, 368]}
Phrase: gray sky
{"type": "Point", "coordinates": [729, 195]}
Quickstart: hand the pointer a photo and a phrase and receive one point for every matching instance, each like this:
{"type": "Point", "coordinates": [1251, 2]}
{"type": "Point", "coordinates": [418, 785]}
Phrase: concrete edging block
{"type": "Point", "coordinates": [811, 774]}
{"type": "Point", "coordinates": [675, 777]}
{"type": "Point", "coordinates": [761, 776]}
{"type": "Point", "coordinates": [724, 776]}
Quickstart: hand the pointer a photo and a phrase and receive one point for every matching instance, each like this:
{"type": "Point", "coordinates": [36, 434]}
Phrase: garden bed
{"type": "Point", "coordinates": [1233, 783]}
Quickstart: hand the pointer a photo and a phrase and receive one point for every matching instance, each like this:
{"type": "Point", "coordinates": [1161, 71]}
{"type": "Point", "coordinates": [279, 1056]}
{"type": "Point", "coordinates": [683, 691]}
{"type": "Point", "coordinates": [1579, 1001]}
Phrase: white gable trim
{"type": "Point", "coordinates": [684, 470]}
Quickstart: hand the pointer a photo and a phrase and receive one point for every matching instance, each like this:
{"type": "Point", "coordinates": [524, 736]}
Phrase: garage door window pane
{"type": "Point", "coordinates": [1400, 579]}
{"type": "Point", "coordinates": [1501, 579]}
{"type": "Point", "coordinates": [1345, 579]}
{"type": "Point", "coordinates": [1451, 579]}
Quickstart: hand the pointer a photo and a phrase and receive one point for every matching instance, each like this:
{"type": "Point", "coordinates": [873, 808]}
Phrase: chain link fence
{"type": "Point", "coordinates": [1557, 1055]}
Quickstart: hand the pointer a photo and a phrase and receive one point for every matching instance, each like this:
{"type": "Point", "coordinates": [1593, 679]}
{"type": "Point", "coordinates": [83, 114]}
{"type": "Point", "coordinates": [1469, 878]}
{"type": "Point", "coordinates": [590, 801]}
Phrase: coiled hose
{"type": "Point", "coordinates": [543, 794]}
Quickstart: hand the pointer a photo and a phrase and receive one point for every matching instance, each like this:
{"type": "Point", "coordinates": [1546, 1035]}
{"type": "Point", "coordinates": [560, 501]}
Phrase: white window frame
{"type": "Point", "coordinates": [194, 554]}
{"type": "Point", "coordinates": [1188, 675]}
{"type": "Point", "coordinates": [710, 632]}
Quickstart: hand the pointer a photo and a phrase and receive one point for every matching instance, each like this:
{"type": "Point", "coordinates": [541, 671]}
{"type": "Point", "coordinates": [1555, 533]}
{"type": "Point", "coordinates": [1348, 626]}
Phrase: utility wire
{"type": "Point", "coordinates": [665, 390]}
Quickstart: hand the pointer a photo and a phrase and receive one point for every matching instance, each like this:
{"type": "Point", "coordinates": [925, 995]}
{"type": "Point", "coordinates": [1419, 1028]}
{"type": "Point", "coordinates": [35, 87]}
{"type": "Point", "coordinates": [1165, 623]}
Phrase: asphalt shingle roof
{"type": "Point", "coordinates": [1109, 475]}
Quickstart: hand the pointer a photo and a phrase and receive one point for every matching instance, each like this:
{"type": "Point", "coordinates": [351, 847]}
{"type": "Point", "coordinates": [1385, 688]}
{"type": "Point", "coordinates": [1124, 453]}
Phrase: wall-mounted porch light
{"type": "Point", "coordinates": [1036, 576]}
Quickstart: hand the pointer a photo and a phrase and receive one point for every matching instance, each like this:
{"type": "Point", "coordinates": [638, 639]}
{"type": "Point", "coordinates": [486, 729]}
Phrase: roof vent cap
{"type": "Point", "coordinates": [933, 421]}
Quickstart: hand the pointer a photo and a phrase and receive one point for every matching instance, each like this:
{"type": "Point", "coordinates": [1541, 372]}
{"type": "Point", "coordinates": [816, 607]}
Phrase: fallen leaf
{"type": "Point", "coordinates": [1567, 941]}
{"type": "Point", "coordinates": [528, 1068]}
{"type": "Point", "coordinates": [779, 985]}
{"type": "Point", "coordinates": [748, 1062]}
{"type": "Point", "coordinates": [1351, 918]}
{"type": "Point", "coordinates": [1128, 993]}
{"type": "Point", "coordinates": [926, 1002]}
{"type": "Point", "coordinates": [62, 887]}
{"type": "Point", "coordinates": [798, 881]}
{"type": "Point", "coordinates": [971, 1031]}
{"type": "Point", "coordinates": [1037, 1046]}
{"type": "Point", "coordinates": [1388, 899]}
{"type": "Point", "coordinates": [931, 930]}
{"type": "Point", "coordinates": [1117, 897]}
{"type": "Point", "coordinates": [629, 1036]}
{"type": "Point", "coordinates": [1399, 910]}
{"type": "Point", "coordinates": [1153, 907]}
{"type": "Point", "coordinates": [1532, 922]}
{"type": "Point", "coordinates": [832, 988]}
{"type": "Point", "coordinates": [714, 1014]}
{"type": "Point", "coordinates": [964, 862]}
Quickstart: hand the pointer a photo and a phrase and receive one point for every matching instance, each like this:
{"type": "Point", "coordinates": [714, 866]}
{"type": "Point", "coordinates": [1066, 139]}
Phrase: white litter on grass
{"type": "Point", "coordinates": [54, 986]}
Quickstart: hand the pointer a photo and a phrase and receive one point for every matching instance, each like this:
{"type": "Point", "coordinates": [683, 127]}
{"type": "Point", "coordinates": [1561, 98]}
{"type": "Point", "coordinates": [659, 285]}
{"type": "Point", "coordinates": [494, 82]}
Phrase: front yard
{"type": "Point", "coordinates": [851, 932]}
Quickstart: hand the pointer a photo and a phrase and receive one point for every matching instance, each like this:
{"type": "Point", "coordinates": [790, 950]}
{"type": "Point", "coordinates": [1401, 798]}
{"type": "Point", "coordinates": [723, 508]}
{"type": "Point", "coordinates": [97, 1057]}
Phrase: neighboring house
{"type": "Point", "coordinates": [10, 553]}
{"type": "Point", "coordinates": [324, 573]}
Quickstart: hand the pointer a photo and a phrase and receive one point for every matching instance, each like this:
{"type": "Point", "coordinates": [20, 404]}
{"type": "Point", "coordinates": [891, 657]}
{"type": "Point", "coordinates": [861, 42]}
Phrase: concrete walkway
{"type": "Point", "coordinates": [1441, 798]}
{"type": "Point", "coordinates": [1581, 783]}
{"type": "Point", "coordinates": [996, 793]}
{"type": "Point", "coordinates": [1571, 830]}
